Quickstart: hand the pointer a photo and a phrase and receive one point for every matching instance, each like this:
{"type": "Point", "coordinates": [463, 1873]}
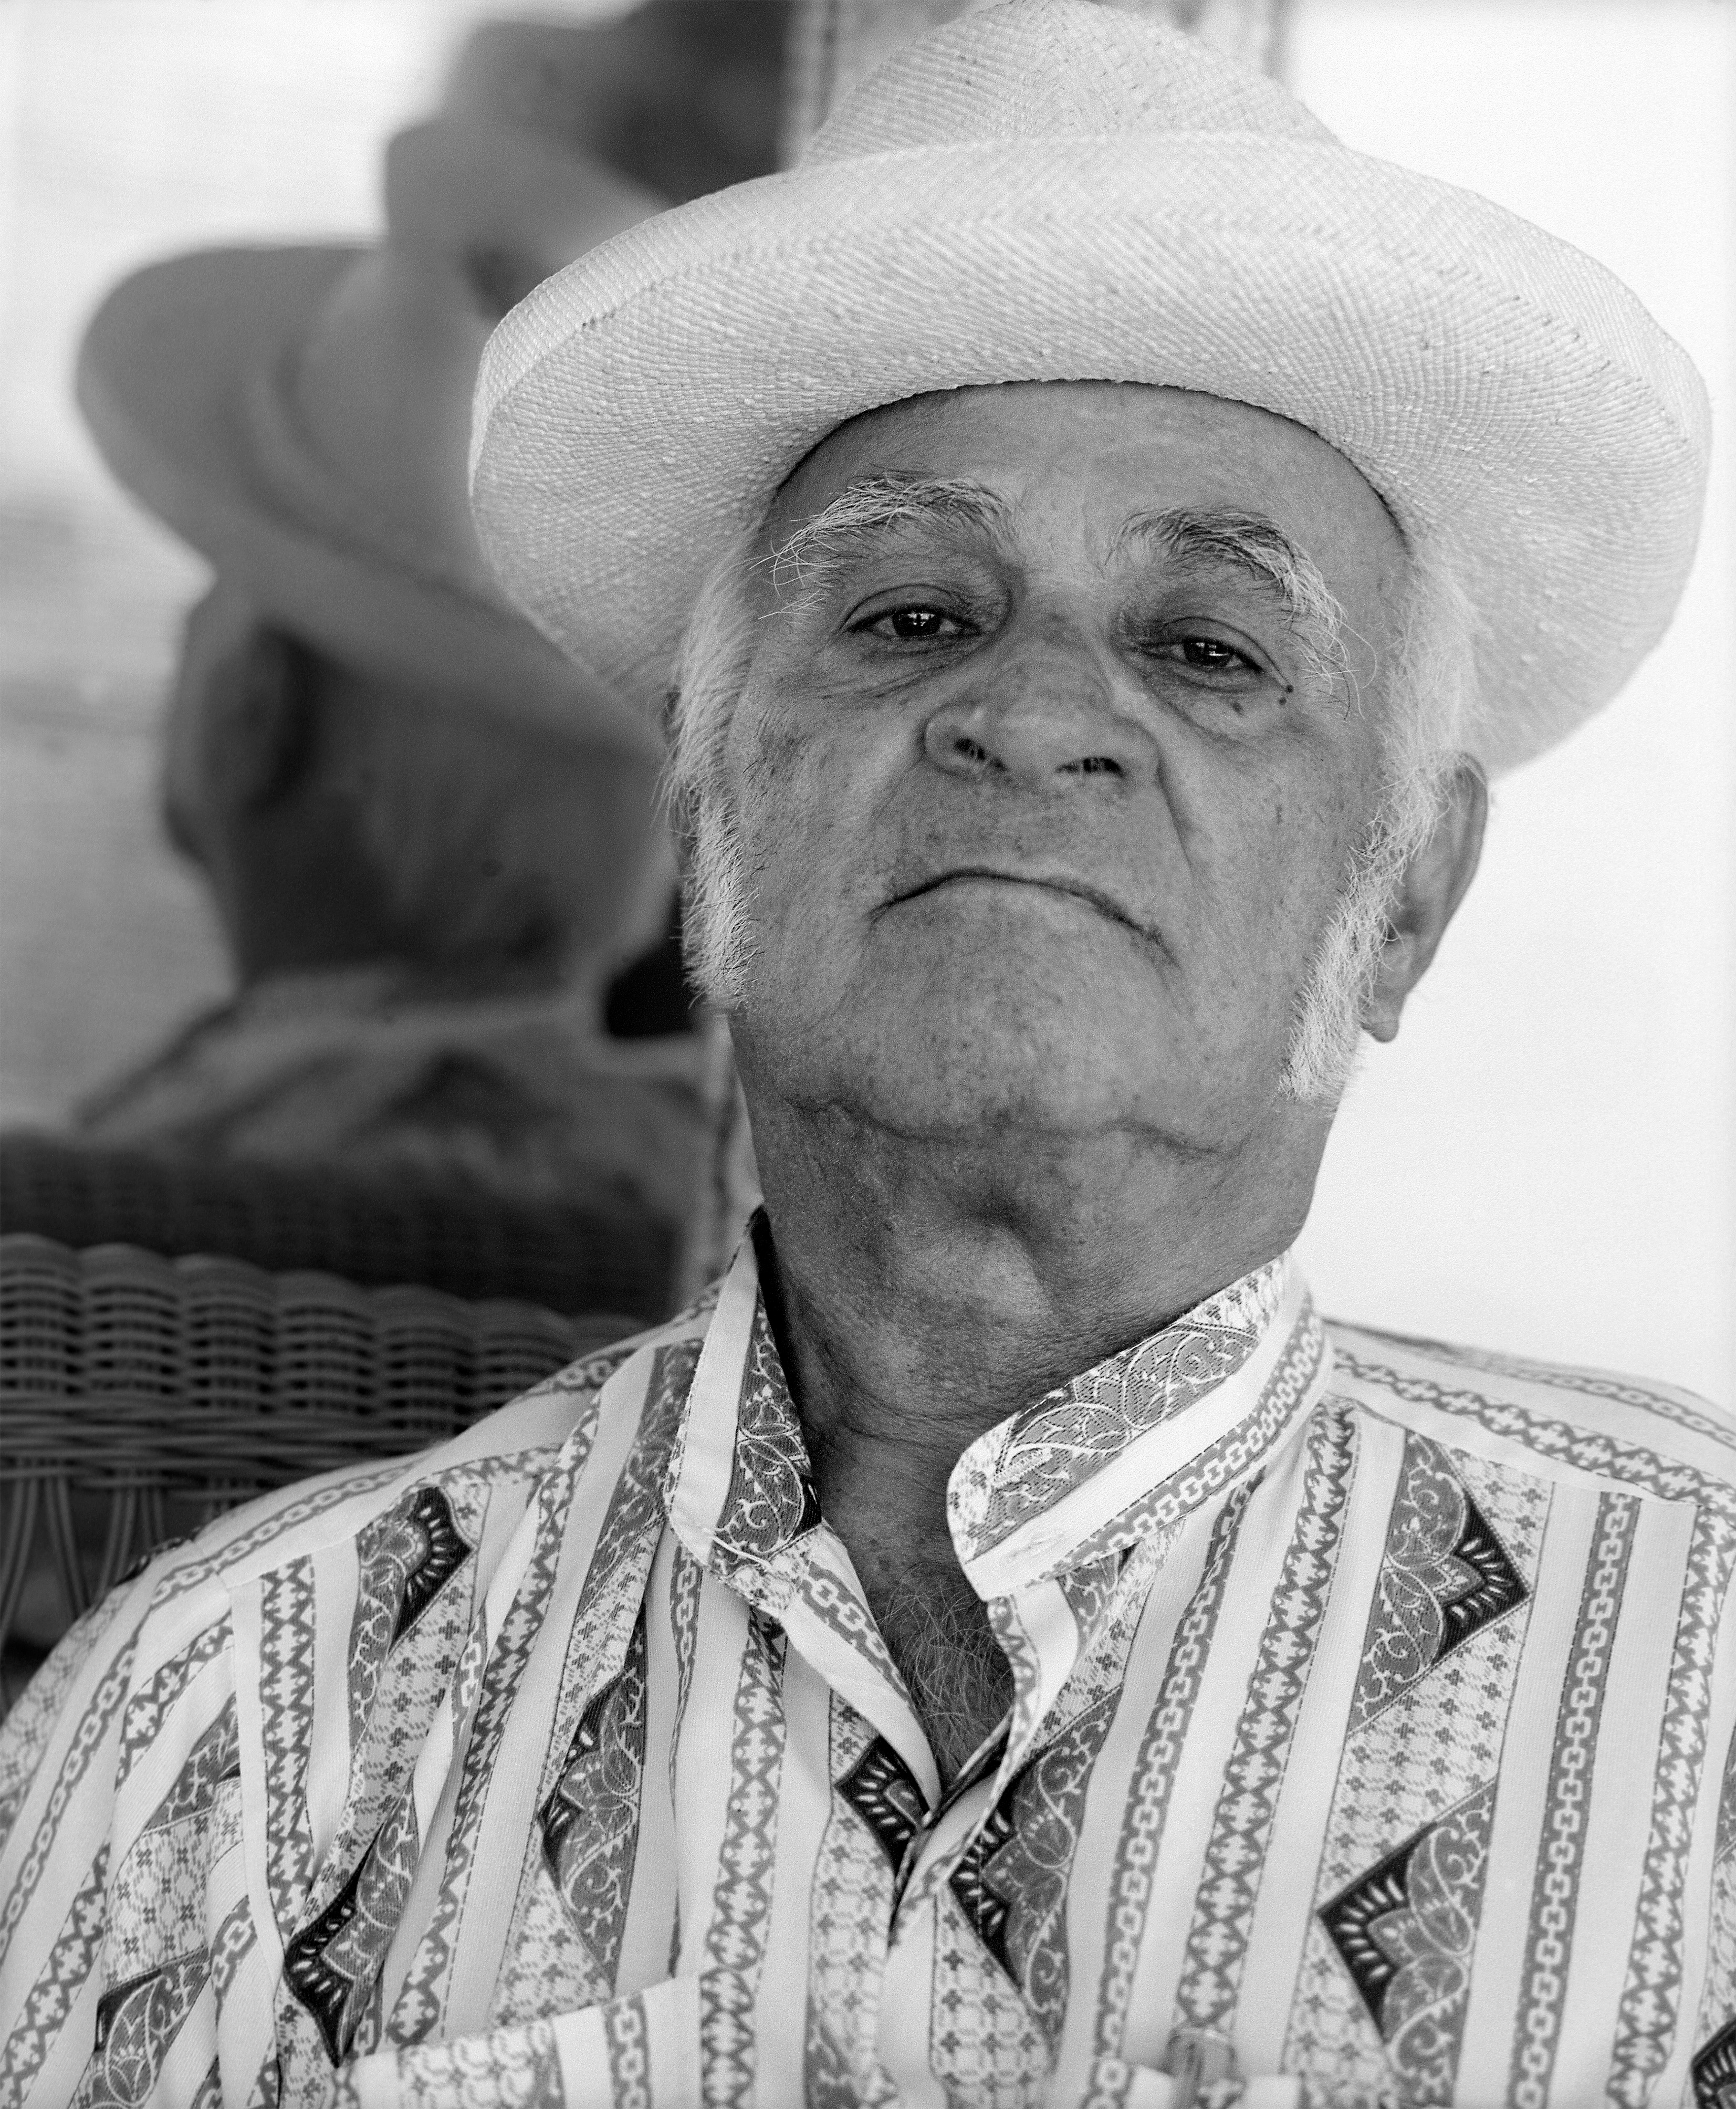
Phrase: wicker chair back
{"type": "Point", "coordinates": [578, 1255]}
{"type": "Point", "coordinates": [140, 1396]}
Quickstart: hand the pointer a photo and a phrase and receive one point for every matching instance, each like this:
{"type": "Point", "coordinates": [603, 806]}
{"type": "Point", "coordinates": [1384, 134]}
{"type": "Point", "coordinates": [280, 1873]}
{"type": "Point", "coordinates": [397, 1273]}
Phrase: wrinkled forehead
{"type": "Point", "coordinates": [1101, 445]}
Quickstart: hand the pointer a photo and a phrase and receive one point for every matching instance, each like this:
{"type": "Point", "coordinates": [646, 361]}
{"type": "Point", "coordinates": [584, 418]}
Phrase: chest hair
{"type": "Point", "coordinates": [936, 1628]}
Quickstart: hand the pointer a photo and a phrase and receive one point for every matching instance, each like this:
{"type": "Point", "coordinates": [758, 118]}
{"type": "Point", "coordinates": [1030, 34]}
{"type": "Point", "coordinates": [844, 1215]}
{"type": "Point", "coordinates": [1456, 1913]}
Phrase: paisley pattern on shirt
{"type": "Point", "coordinates": [566, 1765]}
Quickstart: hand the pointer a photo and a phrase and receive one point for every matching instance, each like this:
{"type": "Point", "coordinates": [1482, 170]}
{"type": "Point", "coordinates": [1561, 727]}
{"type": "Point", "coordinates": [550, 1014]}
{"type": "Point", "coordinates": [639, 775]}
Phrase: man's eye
{"type": "Point", "coordinates": [913, 626]}
{"type": "Point", "coordinates": [1212, 655]}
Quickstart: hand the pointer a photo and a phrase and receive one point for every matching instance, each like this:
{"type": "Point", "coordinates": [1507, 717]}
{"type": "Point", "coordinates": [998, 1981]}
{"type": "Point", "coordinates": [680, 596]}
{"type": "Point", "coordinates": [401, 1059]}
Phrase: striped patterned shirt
{"type": "Point", "coordinates": [1371, 1703]}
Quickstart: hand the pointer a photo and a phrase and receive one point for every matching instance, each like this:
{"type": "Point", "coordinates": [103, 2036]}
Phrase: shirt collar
{"type": "Point", "coordinates": [1114, 1455]}
{"type": "Point", "coordinates": [1134, 1443]}
{"type": "Point", "coordinates": [742, 1492]}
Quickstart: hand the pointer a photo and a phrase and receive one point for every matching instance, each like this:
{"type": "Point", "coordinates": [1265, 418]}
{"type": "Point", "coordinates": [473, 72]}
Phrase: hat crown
{"type": "Point", "coordinates": [1036, 69]}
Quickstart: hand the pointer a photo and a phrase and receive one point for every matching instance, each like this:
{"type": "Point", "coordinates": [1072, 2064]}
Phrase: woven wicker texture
{"type": "Point", "coordinates": [139, 1396]}
{"type": "Point", "coordinates": [576, 1257]}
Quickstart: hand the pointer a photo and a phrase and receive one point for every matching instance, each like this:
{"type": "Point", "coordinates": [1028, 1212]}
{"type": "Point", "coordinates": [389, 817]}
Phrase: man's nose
{"type": "Point", "coordinates": [1043, 714]}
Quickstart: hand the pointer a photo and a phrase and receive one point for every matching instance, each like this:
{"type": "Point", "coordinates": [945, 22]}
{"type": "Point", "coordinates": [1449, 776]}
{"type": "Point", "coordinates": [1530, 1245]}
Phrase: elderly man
{"type": "Point", "coordinates": [998, 1647]}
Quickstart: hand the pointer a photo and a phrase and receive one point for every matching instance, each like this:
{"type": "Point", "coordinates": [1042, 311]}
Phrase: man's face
{"type": "Point", "coordinates": [1046, 794]}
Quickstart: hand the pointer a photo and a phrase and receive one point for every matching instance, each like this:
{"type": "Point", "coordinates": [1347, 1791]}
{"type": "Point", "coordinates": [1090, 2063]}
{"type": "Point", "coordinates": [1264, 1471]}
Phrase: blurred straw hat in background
{"type": "Point", "coordinates": [300, 415]}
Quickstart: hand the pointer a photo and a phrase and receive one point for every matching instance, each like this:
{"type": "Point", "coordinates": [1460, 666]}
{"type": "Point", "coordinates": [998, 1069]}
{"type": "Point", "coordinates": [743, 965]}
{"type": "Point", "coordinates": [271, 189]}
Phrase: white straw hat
{"type": "Point", "coordinates": [1052, 189]}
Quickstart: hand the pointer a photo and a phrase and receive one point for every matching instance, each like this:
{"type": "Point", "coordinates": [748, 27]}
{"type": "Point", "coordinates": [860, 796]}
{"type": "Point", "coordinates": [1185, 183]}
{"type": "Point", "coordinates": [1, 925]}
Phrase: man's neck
{"type": "Point", "coordinates": [921, 1291]}
{"type": "Point", "coordinates": [924, 1291]}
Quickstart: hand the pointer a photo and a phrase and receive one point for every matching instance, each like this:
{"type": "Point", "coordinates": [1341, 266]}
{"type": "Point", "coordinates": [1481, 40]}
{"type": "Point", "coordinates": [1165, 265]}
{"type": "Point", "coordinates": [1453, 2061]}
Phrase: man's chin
{"type": "Point", "coordinates": [960, 1072]}
{"type": "Point", "coordinates": [955, 1041]}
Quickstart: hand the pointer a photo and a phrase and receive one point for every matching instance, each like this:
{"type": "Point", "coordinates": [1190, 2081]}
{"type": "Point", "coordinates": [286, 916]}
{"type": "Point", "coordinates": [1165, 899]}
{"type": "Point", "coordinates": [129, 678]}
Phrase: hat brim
{"type": "Point", "coordinates": [163, 378]}
{"type": "Point", "coordinates": [1523, 417]}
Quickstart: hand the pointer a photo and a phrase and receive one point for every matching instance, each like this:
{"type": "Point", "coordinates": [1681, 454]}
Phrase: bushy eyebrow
{"type": "Point", "coordinates": [804, 561]}
{"type": "Point", "coordinates": [1262, 552]}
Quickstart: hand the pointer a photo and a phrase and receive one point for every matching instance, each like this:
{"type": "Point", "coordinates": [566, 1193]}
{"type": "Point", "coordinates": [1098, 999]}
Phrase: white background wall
{"type": "Point", "coordinates": [1545, 1161]}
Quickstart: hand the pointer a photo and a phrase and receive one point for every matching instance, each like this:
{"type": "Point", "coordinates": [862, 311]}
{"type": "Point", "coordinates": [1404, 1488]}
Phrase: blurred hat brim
{"type": "Point", "coordinates": [181, 381]}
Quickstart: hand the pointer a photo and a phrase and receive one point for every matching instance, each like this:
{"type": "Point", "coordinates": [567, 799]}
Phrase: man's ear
{"type": "Point", "coordinates": [239, 721]}
{"type": "Point", "coordinates": [259, 722]}
{"type": "Point", "coordinates": [1428, 897]}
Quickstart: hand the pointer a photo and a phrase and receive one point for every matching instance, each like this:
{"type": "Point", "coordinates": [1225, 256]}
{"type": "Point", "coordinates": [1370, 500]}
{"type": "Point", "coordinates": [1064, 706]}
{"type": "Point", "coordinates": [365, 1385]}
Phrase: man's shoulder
{"type": "Point", "coordinates": [519, 1439]}
{"type": "Point", "coordinates": [139, 1652]}
{"type": "Point", "coordinates": [516, 1440]}
{"type": "Point", "coordinates": [1633, 1432]}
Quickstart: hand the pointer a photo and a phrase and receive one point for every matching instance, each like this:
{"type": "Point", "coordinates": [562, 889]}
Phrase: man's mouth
{"type": "Point", "coordinates": [978, 875]}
